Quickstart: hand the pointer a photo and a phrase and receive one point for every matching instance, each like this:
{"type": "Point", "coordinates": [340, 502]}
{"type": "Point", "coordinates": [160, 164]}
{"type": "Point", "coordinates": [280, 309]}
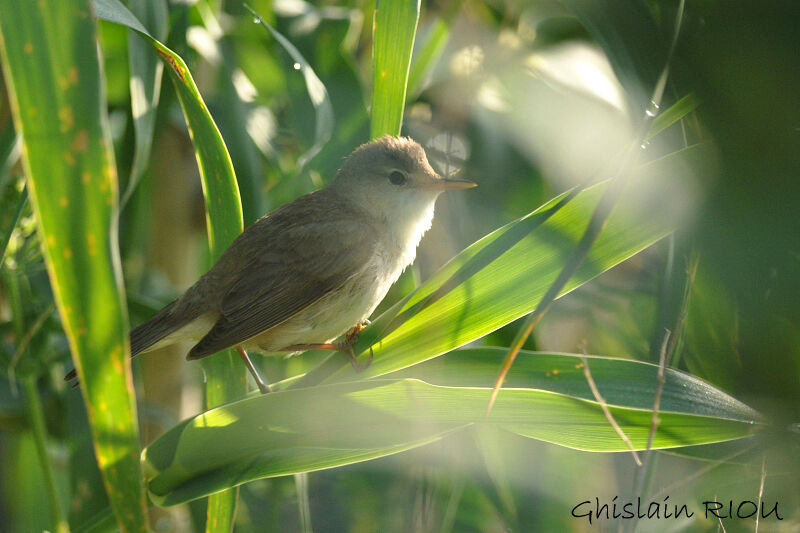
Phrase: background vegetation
{"type": "Point", "coordinates": [686, 141]}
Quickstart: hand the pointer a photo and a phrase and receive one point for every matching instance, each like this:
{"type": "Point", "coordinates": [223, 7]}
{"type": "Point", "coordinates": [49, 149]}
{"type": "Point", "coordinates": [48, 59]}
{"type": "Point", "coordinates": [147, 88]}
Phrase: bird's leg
{"type": "Point", "coordinates": [345, 346]}
{"type": "Point", "coordinates": [352, 336]}
{"type": "Point", "coordinates": [263, 386]}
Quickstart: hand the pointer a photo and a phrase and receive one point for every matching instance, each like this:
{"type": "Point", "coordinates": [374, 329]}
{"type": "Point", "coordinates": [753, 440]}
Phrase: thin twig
{"type": "Point", "coordinates": [660, 379]}
{"type": "Point", "coordinates": [691, 275]}
{"type": "Point", "coordinates": [719, 519]}
{"type": "Point", "coordinates": [761, 487]}
{"type": "Point", "coordinates": [607, 411]}
{"type": "Point", "coordinates": [641, 473]}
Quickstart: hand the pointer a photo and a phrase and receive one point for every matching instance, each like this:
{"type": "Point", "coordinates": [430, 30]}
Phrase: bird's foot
{"type": "Point", "coordinates": [350, 339]}
{"type": "Point", "coordinates": [352, 336]}
{"type": "Point", "coordinates": [359, 367]}
{"type": "Point", "coordinates": [345, 346]}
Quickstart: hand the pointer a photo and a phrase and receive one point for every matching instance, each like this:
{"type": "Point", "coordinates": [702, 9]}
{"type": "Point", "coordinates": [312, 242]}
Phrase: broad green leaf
{"type": "Point", "coordinates": [52, 68]}
{"type": "Point", "coordinates": [332, 425]}
{"type": "Point", "coordinates": [283, 440]}
{"type": "Point", "coordinates": [395, 26]}
{"type": "Point", "coordinates": [226, 375]}
{"type": "Point", "coordinates": [502, 276]}
{"type": "Point", "coordinates": [621, 382]}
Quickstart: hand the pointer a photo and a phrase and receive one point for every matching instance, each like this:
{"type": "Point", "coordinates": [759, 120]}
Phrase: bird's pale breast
{"type": "Point", "coordinates": [338, 311]}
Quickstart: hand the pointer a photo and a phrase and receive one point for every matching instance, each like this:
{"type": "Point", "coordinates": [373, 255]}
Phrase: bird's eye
{"type": "Point", "coordinates": [397, 178]}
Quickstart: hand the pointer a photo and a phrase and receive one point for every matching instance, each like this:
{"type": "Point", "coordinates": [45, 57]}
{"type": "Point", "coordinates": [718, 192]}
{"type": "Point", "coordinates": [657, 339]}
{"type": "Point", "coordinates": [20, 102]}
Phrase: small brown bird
{"type": "Point", "coordinates": [314, 268]}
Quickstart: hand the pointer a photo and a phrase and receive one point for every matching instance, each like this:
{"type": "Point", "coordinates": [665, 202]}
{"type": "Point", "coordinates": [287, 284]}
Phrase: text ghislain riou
{"type": "Point", "coordinates": [659, 510]}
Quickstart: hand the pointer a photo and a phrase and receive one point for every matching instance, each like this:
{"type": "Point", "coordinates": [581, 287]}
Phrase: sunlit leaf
{"type": "Point", "coordinates": [428, 55]}
{"type": "Point", "coordinates": [310, 429]}
{"type": "Point", "coordinates": [51, 65]}
{"type": "Point", "coordinates": [673, 114]}
{"type": "Point", "coordinates": [226, 375]}
{"type": "Point", "coordinates": [395, 26]}
{"type": "Point", "coordinates": [621, 382]}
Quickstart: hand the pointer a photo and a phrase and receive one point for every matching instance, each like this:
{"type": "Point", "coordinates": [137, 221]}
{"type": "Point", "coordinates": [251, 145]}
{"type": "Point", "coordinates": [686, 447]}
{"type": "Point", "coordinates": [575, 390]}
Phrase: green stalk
{"type": "Point", "coordinates": [36, 414]}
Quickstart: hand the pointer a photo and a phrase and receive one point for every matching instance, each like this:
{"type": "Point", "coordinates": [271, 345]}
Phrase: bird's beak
{"type": "Point", "coordinates": [443, 184]}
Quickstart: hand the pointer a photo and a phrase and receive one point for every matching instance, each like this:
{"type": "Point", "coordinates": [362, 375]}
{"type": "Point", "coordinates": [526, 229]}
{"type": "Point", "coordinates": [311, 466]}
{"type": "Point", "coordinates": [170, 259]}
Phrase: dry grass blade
{"type": "Point", "coordinates": [607, 412]}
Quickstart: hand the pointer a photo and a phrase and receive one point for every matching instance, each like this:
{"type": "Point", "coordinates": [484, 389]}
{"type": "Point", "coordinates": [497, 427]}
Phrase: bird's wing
{"type": "Point", "coordinates": [294, 264]}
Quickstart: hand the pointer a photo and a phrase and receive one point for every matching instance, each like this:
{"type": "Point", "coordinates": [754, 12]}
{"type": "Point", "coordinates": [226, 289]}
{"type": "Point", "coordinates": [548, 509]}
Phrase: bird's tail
{"type": "Point", "coordinates": [147, 334]}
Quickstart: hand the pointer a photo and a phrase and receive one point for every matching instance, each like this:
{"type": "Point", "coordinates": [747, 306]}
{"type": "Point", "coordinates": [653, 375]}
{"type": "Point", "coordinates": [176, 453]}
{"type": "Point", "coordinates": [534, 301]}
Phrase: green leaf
{"type": "Point", "coordinates": [621, 382]}
{"type": "Point", "coordinates": [226, 375]}
{"type": "Point", "coordinates": [52, 68]}
{"type": "Point", "coordinates": [89, 498]}
{"type": "Point", "coordinates": [102, 522]}
{"type": "Point", "coordinates": [23, 200]}
{"type": "Point", "coordinates": [673, 114]}
{"type": "Point", "coordinates": [429, 54]}
{"type": "Point", "coordinates": [310, 429]}
{"type": "Point", "coordinates": [395, 26]}
{"type": "Point", "coordinates": [284, 440]}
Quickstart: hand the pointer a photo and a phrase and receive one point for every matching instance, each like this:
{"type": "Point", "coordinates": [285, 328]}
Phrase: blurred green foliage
{"type": "Point", "coordinates": [528, 99]}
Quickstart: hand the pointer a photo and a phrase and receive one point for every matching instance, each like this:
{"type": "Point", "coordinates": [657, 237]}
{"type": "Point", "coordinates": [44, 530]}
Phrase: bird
{"type": "Point", "coordinates": [312, 270]}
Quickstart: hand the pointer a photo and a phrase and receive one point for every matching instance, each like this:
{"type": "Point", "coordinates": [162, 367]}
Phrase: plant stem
{"type": "Point", "coordinates": [36, 414]}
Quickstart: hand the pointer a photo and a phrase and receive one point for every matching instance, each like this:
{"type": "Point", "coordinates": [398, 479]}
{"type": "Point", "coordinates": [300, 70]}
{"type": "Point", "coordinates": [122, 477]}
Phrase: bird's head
{"type": "Point", "coordinates": [391, 178]}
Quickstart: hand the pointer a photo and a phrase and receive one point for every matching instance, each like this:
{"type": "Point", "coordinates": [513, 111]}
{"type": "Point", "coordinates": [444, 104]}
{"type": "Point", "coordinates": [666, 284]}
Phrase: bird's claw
{"type": "Point", "coordinates": [347, 347]}
{"type": "Point", "coordinates": [359, 367]}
